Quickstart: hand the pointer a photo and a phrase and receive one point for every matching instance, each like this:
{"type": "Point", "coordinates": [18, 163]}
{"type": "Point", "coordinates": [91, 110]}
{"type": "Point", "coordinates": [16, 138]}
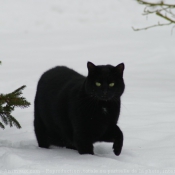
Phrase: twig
{"type": "Point", "coordinates": [148, 12]}
{"type": "Point", "coordinates": [165, 17]}
{"type": "Point", "coordinates": [162, 10]}
{"type": "Point", "coordinates": [161, 3]}
{"type": "Point", "coordinates": [156, 25]}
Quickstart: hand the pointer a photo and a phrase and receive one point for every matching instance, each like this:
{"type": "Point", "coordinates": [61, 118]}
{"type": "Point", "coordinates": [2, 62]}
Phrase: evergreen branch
{"type": "Point", "coordinates": [13, 121]}
{"type": "Point", "coordinates": [2, 126]}
{"type": "Point", "coordinates": [4, 119]}
{"type": "Point", "coordinates": [9, 120]}
{"type": "Point", "coordinates": [14, 99]}
{"type": "Point", "coordinates": [7, 104]}
{"type": "Point", "coordinates": [18, 91]}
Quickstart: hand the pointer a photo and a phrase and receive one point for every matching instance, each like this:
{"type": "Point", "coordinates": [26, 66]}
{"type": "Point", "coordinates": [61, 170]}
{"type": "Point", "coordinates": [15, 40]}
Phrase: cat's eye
{"type": "Point", "coordinates": [98, 84]}
{"type": "Point", "coordinates": [111, 84]}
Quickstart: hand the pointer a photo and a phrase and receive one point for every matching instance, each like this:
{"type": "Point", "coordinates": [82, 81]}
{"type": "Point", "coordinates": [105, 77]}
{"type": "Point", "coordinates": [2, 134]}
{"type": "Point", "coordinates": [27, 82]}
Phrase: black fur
{"type": "Point", "coordinates": [72, 111]}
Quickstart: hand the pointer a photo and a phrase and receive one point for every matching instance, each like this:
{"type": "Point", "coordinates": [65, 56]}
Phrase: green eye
{"type": "Point", "coordinates": [98, 84]}
{"type": "Point", "coordinates": [111, 84]}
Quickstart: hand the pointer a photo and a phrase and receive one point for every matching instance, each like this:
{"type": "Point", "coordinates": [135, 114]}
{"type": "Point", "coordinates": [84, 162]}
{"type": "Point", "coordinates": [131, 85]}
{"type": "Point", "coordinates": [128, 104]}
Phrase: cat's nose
{"type": "Point", "coordinates": [104, 93]}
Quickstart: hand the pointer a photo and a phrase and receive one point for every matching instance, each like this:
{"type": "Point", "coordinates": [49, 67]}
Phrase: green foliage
{"type": "Point", "coordinates": [8, 102]}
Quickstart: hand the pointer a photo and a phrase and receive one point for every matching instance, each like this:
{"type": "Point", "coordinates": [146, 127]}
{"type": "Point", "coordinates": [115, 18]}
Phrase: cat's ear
{"type": "Point", "coordinates": [120, 68]}
{"type": "Point", "coordinates": [91, 67]}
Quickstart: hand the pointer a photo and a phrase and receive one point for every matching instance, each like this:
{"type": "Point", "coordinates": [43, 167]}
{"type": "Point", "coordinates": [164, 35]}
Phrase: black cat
{"type": "Point", "coordinates": [74, 111]}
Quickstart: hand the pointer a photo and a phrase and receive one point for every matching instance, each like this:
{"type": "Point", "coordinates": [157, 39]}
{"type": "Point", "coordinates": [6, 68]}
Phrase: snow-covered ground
{"type": "Point", "coordinates": [36, 35]}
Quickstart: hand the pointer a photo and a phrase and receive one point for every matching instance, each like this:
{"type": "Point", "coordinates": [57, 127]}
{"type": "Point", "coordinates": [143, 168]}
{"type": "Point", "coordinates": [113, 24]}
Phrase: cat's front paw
{"type": "Point", "coordinates": [117, 147]}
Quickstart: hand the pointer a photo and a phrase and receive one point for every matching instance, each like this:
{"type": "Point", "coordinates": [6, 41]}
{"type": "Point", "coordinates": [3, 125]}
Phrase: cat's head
{"type": "Point", "coordinates": [105, 82]}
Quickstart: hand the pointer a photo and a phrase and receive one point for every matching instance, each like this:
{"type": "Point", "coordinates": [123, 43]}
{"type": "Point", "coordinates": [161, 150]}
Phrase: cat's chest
{"type": "Point", "coordinates": [100, 113]}
{"type": "Point", "coordinates": [98, 121]}
{"type": "Point", "coordinates": [104, 110]}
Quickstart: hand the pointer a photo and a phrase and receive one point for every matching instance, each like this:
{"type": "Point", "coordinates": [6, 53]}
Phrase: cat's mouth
{"type": "Point", "coordinates": [105, 98]}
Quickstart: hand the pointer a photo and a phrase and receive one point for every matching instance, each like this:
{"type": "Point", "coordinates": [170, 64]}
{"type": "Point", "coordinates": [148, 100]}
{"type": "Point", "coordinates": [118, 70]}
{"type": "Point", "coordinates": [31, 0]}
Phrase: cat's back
{"type": "Point", "coordinates": [59, 76]}
{"type": "Point", "coordinates": [60, 72]}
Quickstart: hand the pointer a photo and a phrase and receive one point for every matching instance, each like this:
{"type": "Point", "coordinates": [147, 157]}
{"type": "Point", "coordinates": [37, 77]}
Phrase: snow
{"type": "Point", "coordinates": [37, 35]}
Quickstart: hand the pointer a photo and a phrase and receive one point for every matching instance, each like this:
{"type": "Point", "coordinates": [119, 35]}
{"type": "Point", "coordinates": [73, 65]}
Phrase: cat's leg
{"type": "Point", "coordinates": [115, 135]}
{"type": "Point", "coordinates": [84, 146]}
{"type": "Point", "coordinates": [118, 142]}
{"type": "Point", "coordinates": [40, 132]}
